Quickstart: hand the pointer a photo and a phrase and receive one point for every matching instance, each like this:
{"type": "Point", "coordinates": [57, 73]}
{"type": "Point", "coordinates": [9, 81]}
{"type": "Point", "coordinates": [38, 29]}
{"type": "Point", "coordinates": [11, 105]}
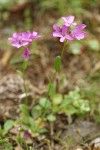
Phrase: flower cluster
{"type": "Point", "coordinates": [65, 33]}
{"type": "Point", "coordinates": [23, 39]}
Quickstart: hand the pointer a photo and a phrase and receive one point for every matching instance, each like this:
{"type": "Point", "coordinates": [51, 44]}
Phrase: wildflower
{"type": "Point", "coordinates": [78, 33]}
{"type": "Point", "coordinates": [65, 33]}
{"type": "Point", "coordinates": [17, 40]}
{"type": "Point", "coordinates": [35, 35]}
{"type": "Point", "coordinates": [23, 38]}
{"type": "Point", "coordinates": [26, 53]}
{"type": "Point", "coordinates": [69, 21]}
{"type": "Point", "coordinates": [27, 36]}
{"type": "Point", "coordinates": [61, 32]}
{"type": "Point", "coordinates": [26, 134]}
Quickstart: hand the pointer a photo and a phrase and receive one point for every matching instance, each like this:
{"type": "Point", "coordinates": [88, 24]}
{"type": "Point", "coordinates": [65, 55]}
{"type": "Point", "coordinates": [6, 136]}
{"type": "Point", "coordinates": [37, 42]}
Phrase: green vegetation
{"type": "Point", "coordinates": [72, 100]}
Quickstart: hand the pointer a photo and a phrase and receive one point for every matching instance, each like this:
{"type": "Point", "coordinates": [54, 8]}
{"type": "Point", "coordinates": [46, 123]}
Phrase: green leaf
{"type": "Point", "coordinates": [85, 106]}
{"type": "Point", "coordinates": [51, 89]}
{"type": "Point", "coordinates": [42, 130]}
{"type": "Point", "coordinates": [51, 117]}
{"type": "Point", "coordinates": [66, 102]}
{"type": "Point", "coordinates": [24, 109]}
{"type": "Point", "coordinates": [8, 125]}
{"type": "Point", "coordinates": [36, 111]}
{"type": "Point", "coordinates": [55, 108]}
{"type": "Point", "coordinates": [70, 98]}
{"type": "Point", "coordinates": [57, 63]}
{"type": "Point", "coordinates": [57, 99]}
{"type": "Point", "coordinates": [44, 102]}
{"type": "Point", "coordinates": [25, 64]}
{"type": "Point", "coordinates": [31, 121]}
{"type": "Point", "coordinates": [70, 110]}
{"type": "Point", "coordinates": [3, 132]}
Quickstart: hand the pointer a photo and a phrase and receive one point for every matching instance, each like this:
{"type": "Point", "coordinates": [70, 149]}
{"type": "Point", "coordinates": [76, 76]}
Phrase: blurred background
{"type": "Point", "coordinates": [81, 62]}
{"type": "Point", "coordinates": [21, 15]}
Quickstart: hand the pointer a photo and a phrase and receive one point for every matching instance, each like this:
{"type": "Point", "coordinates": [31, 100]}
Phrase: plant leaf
{"type": "Point", "coordinates": [57, 99]}
{"type": "Point", "coordinates": [51, 89]}
{"type": "Point", "coordinates": [51, 117]}
{"type": "Point", "coordinates": [25, 64]}
{"type": "Point", "coordinates": [8, 125]}
{"type": "Point", "coordinates": [44, 102]}
{"type": "Point", "coordinates": [36, 111]}
{"type": "Point", "coordinates": [24, 109]}
{"type": "Point", "coordinates": [57, 63]}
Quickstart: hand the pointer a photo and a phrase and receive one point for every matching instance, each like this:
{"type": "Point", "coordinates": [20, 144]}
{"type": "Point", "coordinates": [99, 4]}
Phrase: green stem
{"type": "Point", "coordinates": [25, 89]}
{"type": "Point", "coordinates": [50, 82]}
{"type": "Point", "coordinates": [45, 110]}
{"type": "Point", "coordinates": [19, 139]}
{"type": "Point", "coordinates": [65, 43]}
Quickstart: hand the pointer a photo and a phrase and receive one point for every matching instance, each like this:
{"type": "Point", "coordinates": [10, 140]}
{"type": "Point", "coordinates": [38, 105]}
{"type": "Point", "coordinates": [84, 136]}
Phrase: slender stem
{"type": "Point", "coordinates": [19, 140]}
{"type": "Point", "coordinates": [45, 110]}
{"type": "Point", "coordinates": [50, 82]}
{"type": "Point", "coordinates": [65, 43]}
{"type": "Point", "coordinates": [25, 89]}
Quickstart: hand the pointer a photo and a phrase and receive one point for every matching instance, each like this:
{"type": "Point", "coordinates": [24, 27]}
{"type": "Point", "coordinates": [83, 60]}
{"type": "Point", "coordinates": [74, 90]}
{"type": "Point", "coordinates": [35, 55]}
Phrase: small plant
{"type": "Point", "coordinates": [7, 126]}
{"type": "Point", "coordinates": [31, 121]}
{"type": "Point", "coordinates": [46, 109]}
{"type": "Point", "coordinates": [70, 104]}
{"type": "Point", "coordinates": [23, 39]}
{"type": "Point", "coordinates": [74, 103]}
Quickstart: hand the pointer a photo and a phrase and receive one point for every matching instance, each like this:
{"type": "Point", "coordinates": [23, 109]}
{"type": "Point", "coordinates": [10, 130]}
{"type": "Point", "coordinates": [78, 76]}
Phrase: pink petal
{"type": "Point", "coordinates": [56, 34]}
{"type": "Point", "coordinates": [81, 27]}
{"type": "Point", "coordinates": [34, 33]}
{"type": "Point", "coordinates": [11, 39]}
{"type": "Point", "coordinates": [62, 39]}
{"type": "Point", "coordinates": [80, 35]}
{"type": "Point", "coordinates": [24, 43]}
{"type": "Point", "coordinates": [74, 23]}
{"type": "Point", "coordinates": [38, 36]}
{"type": "Point", "coordinates": [16, 44]}
{"type": "Point", "coordinates": [15, 35]}
{"type": "Point", "coordinates": [26, 53]}
{"type": "Point", "coordinates": [64, 18]}
{"type": "Point", "coordinates": [68, 20]}
{"type": "Point", "coordinates": [69, 37]}
{"type": "Point", "coordinates": [64, 29]}
{"type": "Point", "coordinates": [56, 28]}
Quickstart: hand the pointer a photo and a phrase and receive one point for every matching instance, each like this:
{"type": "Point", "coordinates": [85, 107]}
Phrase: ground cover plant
{"type": "Point", "coordinates": [54, 107]}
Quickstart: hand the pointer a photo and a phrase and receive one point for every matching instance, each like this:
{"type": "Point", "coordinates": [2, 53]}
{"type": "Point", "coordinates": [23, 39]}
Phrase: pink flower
{"type": "Point", "coordinates": [17, 40]}
{"type": "Point", "coordinates": [26, 53]}
{"type": "Point", "coordinates": [35, 35]}
{"type": "Point", "coordinates": [78, 33]}
{"type": "Point", "coordinates": [65, 33]}
{"type": "Point", "coordinates": [69, 21]}
{"type": "Point", "coordinates": [23, 38]}
{"type": "Point", "coordinates": [26, 134]}
{"type": "Point", "coordinates": [61, 32]}
{"type": "Point", "coordinates": [27, 36]}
